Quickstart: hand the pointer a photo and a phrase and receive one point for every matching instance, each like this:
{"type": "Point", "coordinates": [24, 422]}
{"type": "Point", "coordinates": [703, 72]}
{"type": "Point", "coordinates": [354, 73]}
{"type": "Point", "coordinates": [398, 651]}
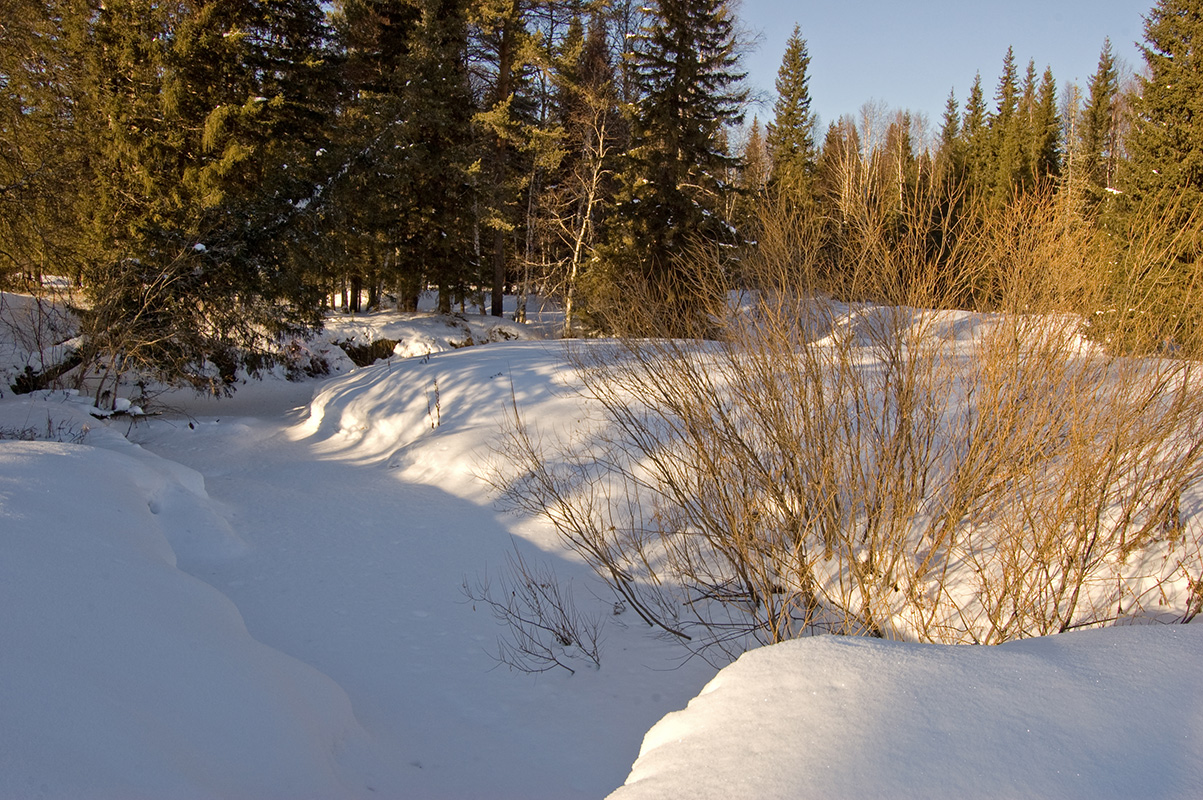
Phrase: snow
{"type": "Point", "coordinates": [1092, 714]}
{"type": "Point", "coordinates": [126, 677]}
{"type": "Point", "coordinates": [263, 597]}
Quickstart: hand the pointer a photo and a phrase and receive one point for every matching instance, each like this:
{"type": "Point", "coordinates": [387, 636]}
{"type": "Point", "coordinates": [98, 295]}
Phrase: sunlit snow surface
{"type": "Point", "coordinates": [1115, 713]}
{"type": "Point", "coordinates": [262, 598]}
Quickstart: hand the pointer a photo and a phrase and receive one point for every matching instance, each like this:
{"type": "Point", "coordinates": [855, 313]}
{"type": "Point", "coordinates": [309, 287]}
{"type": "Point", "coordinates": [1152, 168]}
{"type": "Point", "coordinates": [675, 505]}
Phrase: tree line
{"type": "Point", "coordinates": [212, 175]}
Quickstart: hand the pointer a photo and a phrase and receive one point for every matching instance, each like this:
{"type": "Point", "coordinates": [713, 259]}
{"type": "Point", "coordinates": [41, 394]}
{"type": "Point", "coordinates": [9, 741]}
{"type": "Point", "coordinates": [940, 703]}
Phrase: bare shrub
{"type": "Point", "coordinates": [54, 431]}
{"type": "Point", "coordinates": [545, 629]}
{"type": "Point", "coordinates": [884, 467]}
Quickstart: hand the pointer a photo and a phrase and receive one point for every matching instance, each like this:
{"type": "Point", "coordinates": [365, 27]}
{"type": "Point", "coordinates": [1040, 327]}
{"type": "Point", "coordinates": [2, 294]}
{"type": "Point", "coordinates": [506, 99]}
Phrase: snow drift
{"type": "Point", "coordinates": [1095, 714]}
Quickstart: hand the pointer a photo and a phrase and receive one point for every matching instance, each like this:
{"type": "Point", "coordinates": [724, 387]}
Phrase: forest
{"type": "Point", "coordinates": [211, 176]}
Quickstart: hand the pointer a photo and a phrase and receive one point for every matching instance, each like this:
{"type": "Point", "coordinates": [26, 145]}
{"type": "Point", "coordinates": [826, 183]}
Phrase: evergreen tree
{"type": "Point", "coordinates": [42, 157]}
{"type": "Point", "coordinates": [1043, 129]}
{"type": "Point", "coordinates": [790, 139]}
{"type": "Point", "coordinates": [1163, 175]}
{"type": "Point", "coordinates": [504, 53]}
{"type": "Point", "coordinates": [204, 121]}
{"type": "Point", "coordinates": [438, 177]}
{"type": "Point", "coordinates": [975, 135]}
{"type": "Point", "coordinates": [1165, 146]}
{"type": "Point", "coordinates": [1026, 121]}
{"type": "Point", "coordinates": [1006, 134]}
{"type": "Point", "coordinates": [365, 204]}
{"type": "Point", "coordinates": [1097, 128]}
{"type": "Point", "coordinates": [754, 176]}
{"type": "Point", "coordinates": [950, 157]}
{"type": "Point", "coordinates": [672, 188]}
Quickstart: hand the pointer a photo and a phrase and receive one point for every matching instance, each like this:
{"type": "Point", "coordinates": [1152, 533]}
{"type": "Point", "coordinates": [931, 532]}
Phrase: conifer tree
{"type": "Point", "coordinates": [1045, 147]}
{"type": "Point", "coordinates": [975, 135]}
{"type": "Point", "coordinates": [204, 122]}
{"type": "Point", "coordinates": [1006, 134]}
{"type": "Point", "coordinates": [754, 175]}
{"type": "Point", "coordinates": [950, 157]}
{"type": "Point", "coordinates": [672, 189]}
{"type": "Point", "coordinates": [1162, 177]}
{"type": "Point", "coordinates": [365, 206]}
{"type": "Point", "coordinates": [438, 177]}
{"type": "Point", "coordinates": [1026, 121]}
{"type": "Point", "coordinates": [1165, 146]}
{"type": "Point", "coordinates": [504, 53]}
{"type": "Point", "coordinates": [790, 138]}
{"type": "Point", "coordinates": [42, 158]}
{"type": "Point", "coordinates": [1097, 128]}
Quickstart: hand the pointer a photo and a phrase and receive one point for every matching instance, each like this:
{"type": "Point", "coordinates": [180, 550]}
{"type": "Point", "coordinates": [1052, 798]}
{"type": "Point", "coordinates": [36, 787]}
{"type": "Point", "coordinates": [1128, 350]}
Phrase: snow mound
{"type": "Point", "coordinates": [126, 677]}
{"type": "Point", "coordinates": [420, 333]}
{"type": "Point", "coordinates": [1110, 713]}
{"type": "Point", "coordinates": [437, 415]}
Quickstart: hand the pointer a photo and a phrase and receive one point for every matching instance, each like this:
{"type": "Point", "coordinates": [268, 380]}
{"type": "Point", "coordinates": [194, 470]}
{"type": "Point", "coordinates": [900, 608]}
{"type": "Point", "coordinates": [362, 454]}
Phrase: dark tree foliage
{"type": "Point", "coordinates": [1165, 147]}
{"type": "Point", "coordinates": [363, 205]}
{"type": "Point", "coordinates": [503, 55]}
{"type": "Point", "coordinates": [950, 157]}
{"type": "Point", "coordinates": [203, 128]}
{"type": "Point", "coordinates": [673, 186]}
{"type": "Point", "coordinates": [1044, 132]}
{"type": "Point", "coordinates": [791, 136]}
{"type": "Point", "coordinates": [1097, 130]}
{"type": "Point", "coordinates": [975, 134]}
{"type": "Point", "coordinates": [438, 180]}
{"type": "Point", "coordinates": [1006, 133]}
{"type": "Point", "coordinates": [42, 161]}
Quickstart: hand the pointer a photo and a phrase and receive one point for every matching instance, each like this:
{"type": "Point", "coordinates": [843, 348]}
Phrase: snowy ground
{"type": "Point", "coordinates": [262, 597]}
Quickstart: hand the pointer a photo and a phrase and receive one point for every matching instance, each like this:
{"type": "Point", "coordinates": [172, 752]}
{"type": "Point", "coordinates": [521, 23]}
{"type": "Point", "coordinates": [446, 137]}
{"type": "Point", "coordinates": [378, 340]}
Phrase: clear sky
{"type": "Point", "coordinates": [910, 53]}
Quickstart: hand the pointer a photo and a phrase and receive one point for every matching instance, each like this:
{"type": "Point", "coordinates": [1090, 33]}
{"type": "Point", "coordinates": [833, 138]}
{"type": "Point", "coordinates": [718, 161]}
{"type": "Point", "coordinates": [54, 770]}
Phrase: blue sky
{"type": "Point", "coordinates": [910, 54]}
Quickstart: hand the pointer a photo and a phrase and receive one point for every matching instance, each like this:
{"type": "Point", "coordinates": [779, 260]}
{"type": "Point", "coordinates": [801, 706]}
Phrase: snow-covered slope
{"type": "Point", "coordinates": [1110, 713]}
{"type": "Point", "coordinates": [126, 677]}
{"type": "Point", "coordinates": [262, 598]}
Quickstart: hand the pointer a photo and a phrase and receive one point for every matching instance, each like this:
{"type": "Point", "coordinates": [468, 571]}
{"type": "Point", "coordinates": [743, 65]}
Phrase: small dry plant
{"type": "Point", "coordinates": [545, 629]}
{"type": "Point", "coordinates": [850, 454]}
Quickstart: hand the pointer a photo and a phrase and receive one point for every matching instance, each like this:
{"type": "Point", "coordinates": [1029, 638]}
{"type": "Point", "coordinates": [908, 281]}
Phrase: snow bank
{"type": "Point", "coordinates": [1111, 713]}
{"type": "Point", "coordinates": [126, 677]}
{"type": "Point", "coordinates": [421, 333]}
{"type": "Point", "coordinates": [436, 416]}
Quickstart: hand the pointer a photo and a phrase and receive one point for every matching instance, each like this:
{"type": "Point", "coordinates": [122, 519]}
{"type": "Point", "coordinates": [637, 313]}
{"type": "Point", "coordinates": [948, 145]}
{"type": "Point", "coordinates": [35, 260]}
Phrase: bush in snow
{"type": "Point", "coordinates": [884, 469]}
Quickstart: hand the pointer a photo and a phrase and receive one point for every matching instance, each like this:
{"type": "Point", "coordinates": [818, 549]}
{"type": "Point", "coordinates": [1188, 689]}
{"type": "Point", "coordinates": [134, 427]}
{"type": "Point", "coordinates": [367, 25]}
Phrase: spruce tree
{"type": "Point", "coordinates": [975, 135]}
{"type": "Point", "coordinates": [687, 68]}
{"type": "Point", "coordinates": [754, 174]}
{"type": "Point", "coordinates": [790, 138]}
{"type": "Point", "coordinates": [42, 155]}
{"type": "Point", "coordinates": [504, 53]}
{"type": "Point", "coordinates": [1006, 134]}
{"type": "Point", "coordinates": [205, 121]}
{"type": "Point", "coordinates": [1026, 119]}
{"type": "Point", "coordinates": [1163, 176]}
{"type": "Point", "coordinates": [1097, 128]}
{"type": "Point", "coordinates": [950, 157]}
{"type": "Point", "coordinates": [438, 179]}
{"type": "Point", "coordinates": [1165, 146]}
{"type": "Point", "coordinates": [1044, 131]}
{"type": "Point", "coordinates": [365, 205]}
